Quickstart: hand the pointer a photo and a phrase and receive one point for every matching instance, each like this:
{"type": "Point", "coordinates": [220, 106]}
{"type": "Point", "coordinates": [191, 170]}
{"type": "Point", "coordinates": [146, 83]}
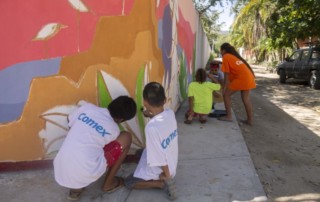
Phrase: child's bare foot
{"type": "Point", "coordinates": [247, 122]}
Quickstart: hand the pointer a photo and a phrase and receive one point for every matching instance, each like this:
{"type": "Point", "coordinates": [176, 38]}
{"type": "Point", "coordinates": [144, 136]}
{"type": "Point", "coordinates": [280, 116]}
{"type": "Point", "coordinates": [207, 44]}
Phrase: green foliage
{"type": "Point", "coordinates": [261, 26]}
{"type": "Point", "coordinates": [209, 17]}
{"type": "Point", "coordinates": [267, 28]}
{"type": "Point", "coordinates": [223, 37]}
{"type": "Point", "coordinates": [294, 19]}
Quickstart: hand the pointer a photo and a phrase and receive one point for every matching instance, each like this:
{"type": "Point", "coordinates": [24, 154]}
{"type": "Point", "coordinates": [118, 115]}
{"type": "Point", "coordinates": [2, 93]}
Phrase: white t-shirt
{"type": "Point", "coordinates": [161, 147]}
{"type": "Point", "coordinates": [80, 160]}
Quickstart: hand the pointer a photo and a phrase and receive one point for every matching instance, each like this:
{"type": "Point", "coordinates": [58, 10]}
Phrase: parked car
{"type": "Point", "coordinates": [302, 64]}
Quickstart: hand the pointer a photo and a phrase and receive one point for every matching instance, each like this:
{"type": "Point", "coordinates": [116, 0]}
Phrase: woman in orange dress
{"type": "Point", "coordinates": [238, 77]}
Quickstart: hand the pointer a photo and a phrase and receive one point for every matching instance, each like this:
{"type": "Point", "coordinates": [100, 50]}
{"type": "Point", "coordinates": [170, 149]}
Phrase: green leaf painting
{"type": "Point", "coordinates": [110, 88]}
{"type": "Point", "coordinates": [104, 97]}
{"type": "Point", "coordinates": [183, 77]}
{"type": "Point", "coordinates": [139, 101]}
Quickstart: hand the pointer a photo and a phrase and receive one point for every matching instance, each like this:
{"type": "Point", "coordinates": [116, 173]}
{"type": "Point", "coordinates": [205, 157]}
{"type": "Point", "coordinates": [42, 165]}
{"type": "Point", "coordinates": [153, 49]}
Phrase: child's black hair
{"type": "Point", "coordinates": [123, 107]}
{"type": "Point", "coordinates": [231, 50]}
{"type": "Point", "coordinates": [154, 94]}
{"type": "Point", "coordinates": [201, 75]}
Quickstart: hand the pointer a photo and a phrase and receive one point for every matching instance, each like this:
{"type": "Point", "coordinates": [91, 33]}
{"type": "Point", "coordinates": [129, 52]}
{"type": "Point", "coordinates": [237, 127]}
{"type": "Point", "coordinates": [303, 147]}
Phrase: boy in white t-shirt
{"type": "Point", "coordinates": [158, 163]}
{"type": "Point", "coordinates": [93, 144]}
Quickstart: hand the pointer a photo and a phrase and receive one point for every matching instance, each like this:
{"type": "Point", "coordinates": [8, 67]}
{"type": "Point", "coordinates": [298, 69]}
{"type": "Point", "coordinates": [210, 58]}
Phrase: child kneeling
{"type": "Point", "coordinates": [158, 163]}
{"type": "Point", "coordinates": [200, 96]}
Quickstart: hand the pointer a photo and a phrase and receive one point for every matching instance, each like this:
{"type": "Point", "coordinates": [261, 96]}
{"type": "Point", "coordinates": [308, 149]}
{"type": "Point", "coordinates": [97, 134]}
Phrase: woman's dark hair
{"type": "Point", "coordinates": [231, 50]}
{"type": "Point", "coordinates": [201, 75]}
{"type": "Point", "coordinates": [154, 94]}
{"type": "Point", "coordinates": [123, 107]}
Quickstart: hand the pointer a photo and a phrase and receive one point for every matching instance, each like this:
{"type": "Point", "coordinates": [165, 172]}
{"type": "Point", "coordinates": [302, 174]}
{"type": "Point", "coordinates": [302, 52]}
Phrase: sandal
{"type": "Point", "coordinates": [171, 189]}
{"type": "Point", "coordinates": [120, 183]}
{"type": "Point", "coordinates": [74, 194]}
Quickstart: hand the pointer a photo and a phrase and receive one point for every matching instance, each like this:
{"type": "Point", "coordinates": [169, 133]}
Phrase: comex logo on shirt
{"type": "Point", "coordinates": [239, 62]}
{"type": "Point", "coordinates": [165, 143]}
{"type": "Point", "coordinates": [90, 122]}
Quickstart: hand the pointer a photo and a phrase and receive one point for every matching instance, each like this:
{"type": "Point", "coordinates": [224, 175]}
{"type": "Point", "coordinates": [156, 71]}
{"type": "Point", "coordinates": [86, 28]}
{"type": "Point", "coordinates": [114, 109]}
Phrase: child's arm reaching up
{"type": "Point", "coordinates": [212, 77]}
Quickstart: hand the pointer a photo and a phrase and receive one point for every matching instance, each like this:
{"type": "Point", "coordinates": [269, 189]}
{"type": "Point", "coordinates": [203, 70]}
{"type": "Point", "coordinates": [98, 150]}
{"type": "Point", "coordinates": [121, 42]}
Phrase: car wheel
{"type": "Point", "coordinates": [282, 76]}
{"type": "Point", "coordinates": [314, 80]}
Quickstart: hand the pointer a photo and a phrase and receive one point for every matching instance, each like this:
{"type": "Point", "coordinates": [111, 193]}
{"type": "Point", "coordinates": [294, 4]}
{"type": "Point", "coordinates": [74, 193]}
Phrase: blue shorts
{"type": "Point", "coordinates": [130, 181]}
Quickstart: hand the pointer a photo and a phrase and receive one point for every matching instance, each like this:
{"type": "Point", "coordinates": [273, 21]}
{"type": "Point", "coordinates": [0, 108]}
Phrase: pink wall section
{"type": "Point", "coordinates": [21, 21]}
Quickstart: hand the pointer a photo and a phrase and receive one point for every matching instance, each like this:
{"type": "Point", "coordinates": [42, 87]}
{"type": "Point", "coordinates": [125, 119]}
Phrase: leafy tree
{"type": "Point", "coordinates": [250, 27]}
{"type": "Point", "coordinates": [209, 17]}
{"type": "Point", "coordinates": [224, 36]}
{"type": "Point", "coordinates": [294, 19]}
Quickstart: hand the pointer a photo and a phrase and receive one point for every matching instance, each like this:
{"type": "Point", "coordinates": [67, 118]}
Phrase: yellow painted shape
{"type": "Point", "coordinates": [115, 37]}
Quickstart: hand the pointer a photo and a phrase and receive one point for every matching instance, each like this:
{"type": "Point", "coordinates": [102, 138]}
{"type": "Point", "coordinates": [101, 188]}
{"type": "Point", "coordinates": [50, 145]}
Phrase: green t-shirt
{"type": "Point", "coordinates": [202, 96]}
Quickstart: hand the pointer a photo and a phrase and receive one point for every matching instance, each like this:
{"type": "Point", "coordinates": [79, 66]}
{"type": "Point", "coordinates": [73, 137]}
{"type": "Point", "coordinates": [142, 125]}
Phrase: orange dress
{"type": "Point", "coordinates": [240, 75]}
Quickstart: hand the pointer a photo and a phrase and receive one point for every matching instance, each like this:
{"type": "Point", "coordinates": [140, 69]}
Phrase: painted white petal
{"type": "Point", "coordinates": [56, 127]}
{"type": "Point", "coordinates": [146, 75]}
{"type": "Point", "coordinates": [67, 109]}
{"type": "Point", "coordinates": [58, 115]}
{"type": "Point", "coordinates": [78, 5]}
{"type": "Point", "coordinates": [174, 9]}
{"type": "Point", "coordinates": [158, 3]}
{"type": "Point", "coordinates": [116, 88]}
{"type": "Point", "coordinates": [82, 102]}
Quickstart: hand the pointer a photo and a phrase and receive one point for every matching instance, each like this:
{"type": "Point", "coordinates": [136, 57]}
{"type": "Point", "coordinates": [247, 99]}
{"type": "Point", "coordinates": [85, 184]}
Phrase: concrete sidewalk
{"type": "Point", "coordinates": [214, 165]}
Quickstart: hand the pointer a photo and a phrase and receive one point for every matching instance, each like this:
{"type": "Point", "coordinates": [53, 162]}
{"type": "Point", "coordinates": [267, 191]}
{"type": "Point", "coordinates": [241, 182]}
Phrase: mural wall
{"type": "Point", "coordinates": [56, 55]}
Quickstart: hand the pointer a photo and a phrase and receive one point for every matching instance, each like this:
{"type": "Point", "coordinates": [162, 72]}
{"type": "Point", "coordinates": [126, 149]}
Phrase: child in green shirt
{"type": "Point", "coordinates": [200, 96]}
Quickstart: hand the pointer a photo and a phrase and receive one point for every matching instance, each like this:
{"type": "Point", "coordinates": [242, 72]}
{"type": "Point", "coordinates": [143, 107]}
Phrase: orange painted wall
{"type": "Point", "coordinates": [121, 46]}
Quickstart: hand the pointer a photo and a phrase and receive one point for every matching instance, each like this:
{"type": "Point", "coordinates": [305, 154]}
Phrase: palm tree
{"type": "Point", "coordinates": [250, 25]}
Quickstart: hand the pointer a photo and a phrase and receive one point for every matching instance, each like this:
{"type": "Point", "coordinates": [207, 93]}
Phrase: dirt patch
{"type": "Point", "coordinates": [284, 141]}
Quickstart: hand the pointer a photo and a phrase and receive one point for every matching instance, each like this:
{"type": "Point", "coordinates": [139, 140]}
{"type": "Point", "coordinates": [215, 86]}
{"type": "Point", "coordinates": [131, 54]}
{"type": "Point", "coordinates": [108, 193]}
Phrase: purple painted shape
{"type": "Point", "coordinates": [166, 42]}
{"type": "Point", "coordinates": [15, 84]}
{"type": "Point", "coordinates": [15, 80]}
{"type": "Point", "coordinates": [10, 112]}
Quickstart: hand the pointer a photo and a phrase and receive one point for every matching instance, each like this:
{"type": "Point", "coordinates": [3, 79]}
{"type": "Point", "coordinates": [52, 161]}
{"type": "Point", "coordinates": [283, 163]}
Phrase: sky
{"type": "Point", "coordinates": [225, 16]}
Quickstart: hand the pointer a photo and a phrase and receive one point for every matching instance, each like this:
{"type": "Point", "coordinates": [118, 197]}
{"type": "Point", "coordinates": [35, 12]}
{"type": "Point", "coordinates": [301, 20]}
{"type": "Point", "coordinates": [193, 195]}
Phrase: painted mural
{"type": "Point", "coordinates": [56, 55]}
